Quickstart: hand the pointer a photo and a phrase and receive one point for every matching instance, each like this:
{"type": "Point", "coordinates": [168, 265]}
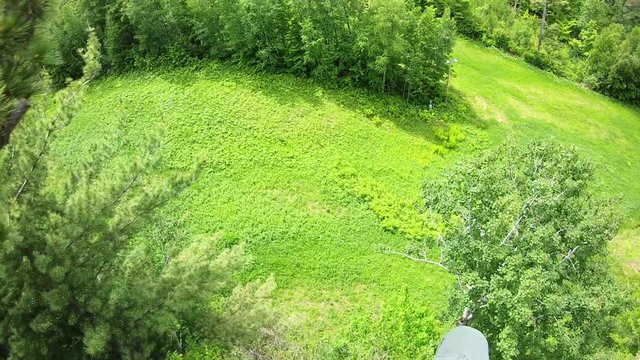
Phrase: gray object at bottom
{"type": "Point", "coordinates": [463, 343]}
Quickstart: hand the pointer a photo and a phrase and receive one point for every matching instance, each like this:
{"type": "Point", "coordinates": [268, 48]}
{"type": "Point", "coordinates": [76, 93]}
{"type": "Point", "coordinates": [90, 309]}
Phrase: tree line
{"type": "Point", "coordinates": [594, 42]}
{"type": "Point", "coordinates": [391, 46]}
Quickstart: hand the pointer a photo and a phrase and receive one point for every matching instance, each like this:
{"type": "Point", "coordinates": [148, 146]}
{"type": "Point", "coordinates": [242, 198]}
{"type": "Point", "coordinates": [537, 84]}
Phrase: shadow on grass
{"type": "Point", "coordinates": [285, 89]}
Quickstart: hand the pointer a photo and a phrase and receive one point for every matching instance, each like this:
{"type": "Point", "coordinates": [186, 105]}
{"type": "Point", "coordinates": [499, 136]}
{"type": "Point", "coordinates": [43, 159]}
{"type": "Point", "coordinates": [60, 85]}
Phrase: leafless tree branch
{"type": "Point", "coordinates": [523, 213]}
{"type": "Point", "coordinates": [569, 255]}
{"type": "Point", "coordinates": [423, 260]}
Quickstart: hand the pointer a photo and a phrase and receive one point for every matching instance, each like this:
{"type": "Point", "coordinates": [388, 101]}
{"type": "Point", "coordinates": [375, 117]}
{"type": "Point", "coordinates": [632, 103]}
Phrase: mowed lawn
{"type": "Point", "coordinates": [521, 101]}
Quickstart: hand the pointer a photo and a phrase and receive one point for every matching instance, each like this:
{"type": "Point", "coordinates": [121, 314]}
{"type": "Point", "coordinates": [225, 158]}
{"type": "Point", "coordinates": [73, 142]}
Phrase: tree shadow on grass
{"type": "Point", "coordinates": [417, 119]}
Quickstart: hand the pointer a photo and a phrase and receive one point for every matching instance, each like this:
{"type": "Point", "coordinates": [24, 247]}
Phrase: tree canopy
{"type": "Point", "coordinates": [390, 46]}
{"type": "Point", "coordinates": [527, 242]}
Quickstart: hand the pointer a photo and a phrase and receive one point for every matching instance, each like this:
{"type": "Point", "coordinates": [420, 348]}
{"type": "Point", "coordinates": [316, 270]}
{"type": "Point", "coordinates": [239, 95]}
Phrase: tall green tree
{"type": "Point", "coordinates": [613, 67]}
{"type": "Point", "coordinates": [527, 242]}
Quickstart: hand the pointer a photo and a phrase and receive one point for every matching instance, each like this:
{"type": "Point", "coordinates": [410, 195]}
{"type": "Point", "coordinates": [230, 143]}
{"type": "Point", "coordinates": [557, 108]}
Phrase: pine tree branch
{"type": "Point", "coordinates": [48, 139]}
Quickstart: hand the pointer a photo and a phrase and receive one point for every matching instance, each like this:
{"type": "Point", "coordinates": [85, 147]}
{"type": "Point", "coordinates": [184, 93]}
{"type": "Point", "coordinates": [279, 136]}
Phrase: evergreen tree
{"type": "Point", "coordinates": [78, 279]}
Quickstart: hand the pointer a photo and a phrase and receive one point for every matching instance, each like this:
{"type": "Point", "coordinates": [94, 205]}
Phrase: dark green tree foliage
{"type": "Point", "coordinates": [69, 36]}
{"type": "Point", "coordinates": [389, 46]}
{"type": "Point", "coordinates": [614, 63]}
{"type": "Point", "coordinates": [23, 52]}
{"type": "Point", "coordinates": [528, 244]}
{"type": "Point", "coordinates": [467, 23]}
{"type": "Point", "coordinates": [76, 278]}
{"type": "Point", "coordinates": [626, 12]}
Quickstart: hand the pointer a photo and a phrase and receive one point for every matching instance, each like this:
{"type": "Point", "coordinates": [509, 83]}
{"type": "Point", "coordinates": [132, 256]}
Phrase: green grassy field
{"type": "Point", "coordinates": [278, 150]}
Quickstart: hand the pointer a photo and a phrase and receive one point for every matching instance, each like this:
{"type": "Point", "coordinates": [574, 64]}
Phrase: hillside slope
{"type": "Point", "coordinates": [286, 167]}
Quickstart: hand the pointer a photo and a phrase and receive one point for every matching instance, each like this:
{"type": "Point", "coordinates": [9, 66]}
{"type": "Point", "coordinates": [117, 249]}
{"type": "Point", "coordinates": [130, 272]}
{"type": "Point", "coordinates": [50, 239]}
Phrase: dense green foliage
{"type": "Point", "coordinates": [617, 75]}
{"type": "Point", "coordinates": [389, 46]}
{"type": "Point", "coordinates": [594, 42]}
{"type": "Point", "coordinates": [76, 277]}
{"type": "Point", "coordinates": [528, 245]}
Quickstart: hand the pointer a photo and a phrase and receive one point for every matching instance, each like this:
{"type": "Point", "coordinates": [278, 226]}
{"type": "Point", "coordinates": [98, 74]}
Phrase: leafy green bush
{"type": "Point", "coordinates": [403, 330]}
{"type": "Point", "coordinates": [451, 137]}
{"type": "Point", "coordinates": [614, 63]}
{"type": "Point", "coordinates": [394, 215]}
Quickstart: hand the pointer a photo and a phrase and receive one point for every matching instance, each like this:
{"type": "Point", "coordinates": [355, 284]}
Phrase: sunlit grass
{"type": "Point", "coordinates": [274, 147]}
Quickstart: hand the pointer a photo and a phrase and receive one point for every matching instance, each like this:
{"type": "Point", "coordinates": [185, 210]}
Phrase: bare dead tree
{"type": "Point", "coordinates": [467, 315]}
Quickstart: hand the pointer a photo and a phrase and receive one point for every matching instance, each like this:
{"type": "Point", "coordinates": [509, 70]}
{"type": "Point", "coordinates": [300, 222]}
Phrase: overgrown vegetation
{"type": "Point", "coordinates": [274, 148]}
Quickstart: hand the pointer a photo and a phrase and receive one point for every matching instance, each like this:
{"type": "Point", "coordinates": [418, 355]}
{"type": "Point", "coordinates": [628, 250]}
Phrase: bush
{"type": "Point", "coordinates": [614, 65]}
{"type": "Point", "coordinates": [450, 138]}
{"type": "Point", "coordinates": [401, 331]}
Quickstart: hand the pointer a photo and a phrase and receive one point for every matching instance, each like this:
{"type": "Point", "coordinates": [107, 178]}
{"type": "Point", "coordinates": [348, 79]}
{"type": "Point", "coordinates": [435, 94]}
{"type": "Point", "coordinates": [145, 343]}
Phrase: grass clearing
{"type": "Point", "coordinates": [277, 149]}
